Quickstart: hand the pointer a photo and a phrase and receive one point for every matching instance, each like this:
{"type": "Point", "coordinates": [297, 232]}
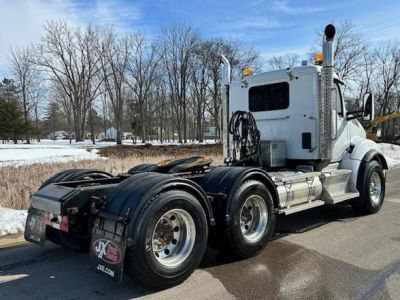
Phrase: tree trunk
{"type": "Point", "coordinates": [142, 121]}
{"type": "Point", "coordinates": [91, 127]}
{"type": "Point", "coordinates": [184, 122]}
{"type": "Point", "coordinates": [37, 123]}
{"type": "Point", "coordinates": [119, 138]}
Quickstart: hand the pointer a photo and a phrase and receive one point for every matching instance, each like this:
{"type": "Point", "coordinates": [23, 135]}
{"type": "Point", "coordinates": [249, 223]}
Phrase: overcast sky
{"type": "Point", "coordinates": [273, 27]}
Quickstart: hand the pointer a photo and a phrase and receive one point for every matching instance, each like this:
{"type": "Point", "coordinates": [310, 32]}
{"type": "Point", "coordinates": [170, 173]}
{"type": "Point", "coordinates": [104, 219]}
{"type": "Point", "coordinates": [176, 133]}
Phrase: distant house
{"type": "Point", "coordinates": [58, 135]}
{"type": "Point", "coordinates": [126, 135]}
{"type": "Point", "coordinates": [210, 133]}
{"type": "Point", "coordinates": [111, 133]}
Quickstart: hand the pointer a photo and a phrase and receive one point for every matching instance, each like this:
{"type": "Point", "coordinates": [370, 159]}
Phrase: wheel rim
{"type": "Point", "coordinates": [375, 188]}
{"type": "Point", "coordinates": [253, 218]}
{"type": "Point", "coordinates": [173, 237]}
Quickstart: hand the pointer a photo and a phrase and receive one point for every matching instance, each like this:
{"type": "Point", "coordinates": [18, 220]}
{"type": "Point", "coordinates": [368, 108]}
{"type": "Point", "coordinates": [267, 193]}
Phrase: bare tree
{"type": "Point", "coordinates": [61, 97]}
{"type": "Point", "coordinates": [28, 82]}
{"type": "Point", "coordinates": [199, 87]}
{"type": "Point", "coordinates": [114, 53]}
{"type": "Point", "coordinates": [179, 42]}
{"type": "Point", "coordinates": [238, 57]}
{"type": "Point", "coordinates": [280, 62]}
{"type": "Point", "coordinates": [142, 72]}
{"type": "Point", "coordinates": [387, 76]}
{"type": "Point", "coordinates": [67, 53]}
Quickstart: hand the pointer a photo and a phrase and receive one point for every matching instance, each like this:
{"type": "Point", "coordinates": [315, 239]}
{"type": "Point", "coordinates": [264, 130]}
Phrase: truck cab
{"type": "Point", "coordinates": [285, 106]}
{"type": "Point", "coordinates": [305, 133]}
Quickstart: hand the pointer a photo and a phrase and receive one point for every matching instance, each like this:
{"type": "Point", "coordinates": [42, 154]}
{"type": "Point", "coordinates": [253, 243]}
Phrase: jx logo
{"type": "Point", "coordinates": [107, 251]}
{"type": "Point", "coordinates": [32, 223]}
{"type": "Point", "coordinates": [101, 248]}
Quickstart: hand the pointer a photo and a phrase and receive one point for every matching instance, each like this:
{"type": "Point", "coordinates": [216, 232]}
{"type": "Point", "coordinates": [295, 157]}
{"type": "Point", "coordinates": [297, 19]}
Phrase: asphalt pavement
{"type": "Point", "coordinates": [325, 253]}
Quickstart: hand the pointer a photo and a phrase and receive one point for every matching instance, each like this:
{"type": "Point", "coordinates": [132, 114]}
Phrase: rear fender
{"type": "Point", "coordinates": [222, 183]}
{"type": "Point", "coordinates": [129, 198]}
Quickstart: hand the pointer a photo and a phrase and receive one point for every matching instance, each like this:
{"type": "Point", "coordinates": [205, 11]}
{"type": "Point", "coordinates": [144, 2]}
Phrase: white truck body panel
{"type": "Point", "coordinates": [287, 124]}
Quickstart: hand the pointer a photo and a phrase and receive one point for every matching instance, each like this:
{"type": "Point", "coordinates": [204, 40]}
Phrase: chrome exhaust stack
{"type": "Point", "coordinates": [326, 105]}
{"type": "Point", "coordinates": [226, 80]}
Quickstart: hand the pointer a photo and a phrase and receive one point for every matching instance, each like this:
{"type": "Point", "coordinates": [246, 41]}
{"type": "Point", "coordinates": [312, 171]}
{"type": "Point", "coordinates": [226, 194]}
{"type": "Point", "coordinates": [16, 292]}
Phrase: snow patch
{"type": "Point", "coordinates": [12, 221]}
{"type": "Point", "coordinates": [46, 152]}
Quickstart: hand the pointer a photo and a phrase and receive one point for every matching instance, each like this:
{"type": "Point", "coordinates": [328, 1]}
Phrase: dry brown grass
{"type": "Point", "coordinates": [18, 183]}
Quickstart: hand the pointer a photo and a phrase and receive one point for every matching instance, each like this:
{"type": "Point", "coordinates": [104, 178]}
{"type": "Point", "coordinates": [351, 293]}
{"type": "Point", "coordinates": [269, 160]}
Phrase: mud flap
{"type": "Point", "coordinates": [107, 257]}
{"type": "Point", "coordinates": [35, 227]}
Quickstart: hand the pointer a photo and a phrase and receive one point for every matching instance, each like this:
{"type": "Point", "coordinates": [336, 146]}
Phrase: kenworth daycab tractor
{"type": "Point", "coordinates": [289, 145]}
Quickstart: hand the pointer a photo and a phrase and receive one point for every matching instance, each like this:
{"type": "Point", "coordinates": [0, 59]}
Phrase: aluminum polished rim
{"type": "Point", "coordinates": [253, 218]}
{"type": "Point", "coordinates": [375, 188]}
{"type": "Point", "coordinates": [173, 237]}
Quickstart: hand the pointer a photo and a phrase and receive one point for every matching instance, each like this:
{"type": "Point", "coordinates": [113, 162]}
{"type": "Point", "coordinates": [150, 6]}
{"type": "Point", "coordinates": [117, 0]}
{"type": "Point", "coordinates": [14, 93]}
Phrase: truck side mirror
{"type": "Point", "coordinates": [368, 107]}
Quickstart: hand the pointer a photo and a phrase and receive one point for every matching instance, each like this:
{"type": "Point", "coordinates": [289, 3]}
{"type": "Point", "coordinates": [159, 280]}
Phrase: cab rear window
{"type": "Point", "coordinates": [269, 97]}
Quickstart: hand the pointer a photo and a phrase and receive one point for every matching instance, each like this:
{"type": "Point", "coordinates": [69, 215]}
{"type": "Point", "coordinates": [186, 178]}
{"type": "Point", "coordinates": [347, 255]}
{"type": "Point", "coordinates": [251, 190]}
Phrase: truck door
{"type": "Point", "coordinates": [340, 134]}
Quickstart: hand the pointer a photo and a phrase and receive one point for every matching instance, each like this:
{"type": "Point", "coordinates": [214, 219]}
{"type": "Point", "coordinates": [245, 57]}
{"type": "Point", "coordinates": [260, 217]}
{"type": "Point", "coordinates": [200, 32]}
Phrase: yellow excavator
{"type": "Point", "coordinates": [373, 127]}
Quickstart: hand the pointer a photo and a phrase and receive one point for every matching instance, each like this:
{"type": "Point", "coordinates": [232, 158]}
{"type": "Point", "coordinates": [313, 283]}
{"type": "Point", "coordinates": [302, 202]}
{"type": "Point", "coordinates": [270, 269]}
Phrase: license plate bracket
{"type": "Point", "coordinates": [35, 227]}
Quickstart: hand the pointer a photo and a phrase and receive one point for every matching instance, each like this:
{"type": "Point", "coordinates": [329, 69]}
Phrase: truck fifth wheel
{"type": "Point", "coordinates": [289, 145]}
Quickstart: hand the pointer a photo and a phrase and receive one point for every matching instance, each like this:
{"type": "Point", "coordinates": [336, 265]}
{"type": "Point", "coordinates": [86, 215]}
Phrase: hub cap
{"type": "Point", "coordinates": [173, 237]}
{"type": "Point", "coordinates": [375, 188]}
{"type": "Point", "coordinates": [253, 218]}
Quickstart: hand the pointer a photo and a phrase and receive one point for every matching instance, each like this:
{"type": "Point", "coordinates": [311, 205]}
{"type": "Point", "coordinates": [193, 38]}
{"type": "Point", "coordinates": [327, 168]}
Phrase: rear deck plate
{"type": "Point", "coordinates": [35, 227]}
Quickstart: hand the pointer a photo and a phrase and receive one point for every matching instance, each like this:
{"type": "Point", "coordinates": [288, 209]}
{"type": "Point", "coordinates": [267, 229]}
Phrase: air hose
{"type": "Point", "coordinates": [246, 139]}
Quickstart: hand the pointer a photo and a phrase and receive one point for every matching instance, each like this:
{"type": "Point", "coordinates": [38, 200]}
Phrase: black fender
{"type": "Point", "coordinates": [142, 168]}
{"type": "Point", "coordinates": [128, 199]}
{"type": "Point", "coordinates": [73, 175]}
{"type": "Point", "coordinates": [369, 156]}
{"type": "Point", "coordinates": [375, 155]}
{"type": "Point", "coordinates": [222, 182]}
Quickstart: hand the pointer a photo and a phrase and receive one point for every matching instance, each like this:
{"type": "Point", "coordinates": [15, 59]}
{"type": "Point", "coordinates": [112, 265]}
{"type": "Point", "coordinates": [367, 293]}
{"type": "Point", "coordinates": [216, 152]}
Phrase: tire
{"type": "Point", "coordinates": [372, 190]}
{"type": "Point", "coordinates": [244, 234]}
{"type": "Point", "coordinates": [72, 240]}
{"type": "Point", "coordinates": [147, 261]}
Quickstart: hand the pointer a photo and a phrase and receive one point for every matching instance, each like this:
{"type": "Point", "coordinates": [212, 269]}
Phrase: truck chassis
{"type": "Point", "coordinates": [155, 221]}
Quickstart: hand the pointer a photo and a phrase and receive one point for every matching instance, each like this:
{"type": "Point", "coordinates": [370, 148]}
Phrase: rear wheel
{"type": "Point", "coordinates": [252, 219]}
{"type": "Point", "coordinates": [171, 240]}
{"type": "Point", "coordinates": [372, 190]}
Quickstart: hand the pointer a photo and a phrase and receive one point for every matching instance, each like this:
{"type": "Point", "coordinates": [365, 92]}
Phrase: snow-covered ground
{"type": "Point", "coordinates": [12, 221]}
{"type": "Point", "coordinates": [391, 153]}
{"type": "Point", "coordinates": [48, 151]}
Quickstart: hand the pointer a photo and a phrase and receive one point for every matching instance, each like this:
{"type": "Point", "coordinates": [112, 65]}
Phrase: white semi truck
{"type": "Point", "coordinates": [289, 145]}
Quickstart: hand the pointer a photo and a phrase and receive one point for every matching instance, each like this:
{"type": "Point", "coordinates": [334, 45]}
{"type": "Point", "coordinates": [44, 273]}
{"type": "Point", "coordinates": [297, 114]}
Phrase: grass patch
{"type": "Point", "coordinates": [122, 151]}
{"type": "Point", "coordinates": [18, 183]}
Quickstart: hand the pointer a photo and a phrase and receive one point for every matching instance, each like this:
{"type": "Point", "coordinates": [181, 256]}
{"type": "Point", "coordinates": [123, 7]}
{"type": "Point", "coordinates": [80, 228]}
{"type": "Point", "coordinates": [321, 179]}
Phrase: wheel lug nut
{"type": "Point", "coordinates": [174, 241]}
{"type": "Point", "coordinates": [172, 218]}
{"type": "Point", "coordinates": [246, 227]}
{"type": "Point", "coordinates": [166, 251]}
{"type": "Point", "coordinates": [176, 228]}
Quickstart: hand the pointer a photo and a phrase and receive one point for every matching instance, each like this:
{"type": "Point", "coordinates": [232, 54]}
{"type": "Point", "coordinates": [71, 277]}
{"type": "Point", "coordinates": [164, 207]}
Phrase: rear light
{"type": "Point", "coordinates": [65, 220]}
